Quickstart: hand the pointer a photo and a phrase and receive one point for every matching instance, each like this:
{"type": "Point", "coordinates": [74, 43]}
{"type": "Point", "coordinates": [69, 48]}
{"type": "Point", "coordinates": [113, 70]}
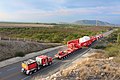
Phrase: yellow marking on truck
{"type": "Point", "coordinates": [24, 65]}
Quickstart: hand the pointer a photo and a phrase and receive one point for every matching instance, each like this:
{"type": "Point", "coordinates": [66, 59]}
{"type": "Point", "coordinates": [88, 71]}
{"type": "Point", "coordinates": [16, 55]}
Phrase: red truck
{"type": "Point", "coordinates": [30, 66]}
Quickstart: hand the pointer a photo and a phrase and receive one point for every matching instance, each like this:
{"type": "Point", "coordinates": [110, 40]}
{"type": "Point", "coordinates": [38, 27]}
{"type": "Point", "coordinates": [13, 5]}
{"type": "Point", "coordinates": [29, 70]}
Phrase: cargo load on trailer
{"type": "Point", "coordinates": [85, 41]}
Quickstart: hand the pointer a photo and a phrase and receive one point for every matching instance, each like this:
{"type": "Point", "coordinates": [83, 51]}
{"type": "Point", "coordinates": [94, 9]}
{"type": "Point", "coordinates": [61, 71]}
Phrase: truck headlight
{"type": "Point", "coordinates": [22, 70]}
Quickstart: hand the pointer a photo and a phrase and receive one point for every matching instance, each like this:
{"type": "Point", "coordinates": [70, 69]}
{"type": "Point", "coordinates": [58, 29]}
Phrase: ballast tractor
{"type": "Point", "coordinates": [31, 66]}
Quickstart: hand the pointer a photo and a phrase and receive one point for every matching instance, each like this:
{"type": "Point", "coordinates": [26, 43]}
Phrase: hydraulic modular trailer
{"type": "Point", "coordinates": [76, 44]}
{"type": "Point", "coordinates": [30, 66]}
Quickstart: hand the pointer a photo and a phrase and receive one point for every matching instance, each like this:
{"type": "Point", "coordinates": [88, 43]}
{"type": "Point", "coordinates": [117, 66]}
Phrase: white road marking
{"type": "Point", "coordinates": [11, 69]}
{"type": "Point", "coordinates": [25, 78]}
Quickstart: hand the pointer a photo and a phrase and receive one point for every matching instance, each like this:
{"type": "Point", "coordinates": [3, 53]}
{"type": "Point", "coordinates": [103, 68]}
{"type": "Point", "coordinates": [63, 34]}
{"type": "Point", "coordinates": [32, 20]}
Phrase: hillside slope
{"type": "Point", "coordinates": [9, 49]}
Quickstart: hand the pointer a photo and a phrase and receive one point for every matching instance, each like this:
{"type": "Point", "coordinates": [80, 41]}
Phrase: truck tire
{"type": "Point", "coordinates": [66, 56]}
{"type": "Point", "coordinates": [47, 64]}
{"type": "Point", "coordinates": [39, 68]}
{"type": "Point", "coordinates": [30, 72]}
{"type": "Point", "coordinates": [35, 70]}
{"type": "Point", "coordinates": [62, 58]}
{"type": "Point", "coordinates": [50, 63]}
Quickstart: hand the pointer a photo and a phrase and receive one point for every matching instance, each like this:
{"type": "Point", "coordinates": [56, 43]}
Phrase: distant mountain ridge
{"type": "Point", "coordinates": [93, 22]}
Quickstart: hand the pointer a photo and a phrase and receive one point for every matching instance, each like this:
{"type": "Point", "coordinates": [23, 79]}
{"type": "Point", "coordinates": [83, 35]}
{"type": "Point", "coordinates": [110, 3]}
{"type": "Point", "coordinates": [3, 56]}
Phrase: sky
{"type": "Point", "coordinates": [59, 10]}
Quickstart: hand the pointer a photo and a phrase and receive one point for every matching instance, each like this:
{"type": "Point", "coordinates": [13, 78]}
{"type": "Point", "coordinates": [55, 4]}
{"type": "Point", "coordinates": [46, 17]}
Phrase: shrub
{"type": "Point", "coordinates": [113, 50]}
{"type": "Point", "coordinates": [2, 44]}
{"type": "Point", "coordinates": [19, 54]}
{"type": "Point", "coordinates": [99, 47]}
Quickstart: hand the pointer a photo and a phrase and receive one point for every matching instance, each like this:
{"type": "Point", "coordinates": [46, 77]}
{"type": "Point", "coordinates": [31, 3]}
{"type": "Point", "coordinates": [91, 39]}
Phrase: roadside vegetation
{"type": "Point", "coordinates": [57, 34]}
{"type": "Point", "coordinates": [102, 64]}
{"type": "Point", "coordinates": [111, 44]}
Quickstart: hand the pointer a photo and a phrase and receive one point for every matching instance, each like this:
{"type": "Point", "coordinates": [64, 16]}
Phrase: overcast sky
{"type": "Point", "coordinates": [59, 10]}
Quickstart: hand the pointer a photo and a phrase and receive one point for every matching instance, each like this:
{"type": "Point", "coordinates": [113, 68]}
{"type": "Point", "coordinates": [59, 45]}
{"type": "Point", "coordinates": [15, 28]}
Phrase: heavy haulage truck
{"type": "Point", "coordinates": [30, 66]}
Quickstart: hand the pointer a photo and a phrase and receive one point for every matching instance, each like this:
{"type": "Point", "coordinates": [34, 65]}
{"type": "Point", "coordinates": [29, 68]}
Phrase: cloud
{"type": "Point", "coordinates": [40, 14]}
{"type": "Point", "coordinates": [36, 10]}
{"type": "Point", "coordinates": [37, 13]}
{"type": "Point", "coordinates": [117, 12]}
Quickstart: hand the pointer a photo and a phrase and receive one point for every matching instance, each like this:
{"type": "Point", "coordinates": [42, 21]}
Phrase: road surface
{"type": "Point", "coordinates": [13, 71]}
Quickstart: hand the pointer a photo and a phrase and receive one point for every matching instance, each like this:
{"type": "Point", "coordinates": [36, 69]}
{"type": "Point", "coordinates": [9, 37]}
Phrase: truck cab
{"type": "Point", "coordinates": [29, 66]}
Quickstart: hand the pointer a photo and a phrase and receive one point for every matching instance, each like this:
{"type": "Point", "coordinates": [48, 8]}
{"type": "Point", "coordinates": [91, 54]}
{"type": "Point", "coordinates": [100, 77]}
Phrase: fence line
{"type": "Point", "coordinates": [20, 39]}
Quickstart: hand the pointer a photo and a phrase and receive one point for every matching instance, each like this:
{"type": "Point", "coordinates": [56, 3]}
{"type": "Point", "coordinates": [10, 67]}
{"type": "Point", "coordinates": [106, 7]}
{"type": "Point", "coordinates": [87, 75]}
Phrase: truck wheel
{"type": "Point", "coordinates": [50, 63]}
{"type": "Point", "coordinates": [62, 58]}
{"type": "Point", "coordinates": [39, 68]}
{"type": "Point", "coordinates": [47, 64]}
{"type": "Point", "coordinates": [30, 72]}
{"type": "Point", "coordinates": [35, 70]}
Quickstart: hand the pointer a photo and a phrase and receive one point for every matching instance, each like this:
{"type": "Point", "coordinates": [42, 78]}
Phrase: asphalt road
{"type": "Point", "coordinates": [13, 72]}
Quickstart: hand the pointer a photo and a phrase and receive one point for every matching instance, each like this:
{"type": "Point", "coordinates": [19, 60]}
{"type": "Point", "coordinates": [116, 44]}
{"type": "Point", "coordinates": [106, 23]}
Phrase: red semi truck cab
{"type": "Point", "coordinates": [30, 66]}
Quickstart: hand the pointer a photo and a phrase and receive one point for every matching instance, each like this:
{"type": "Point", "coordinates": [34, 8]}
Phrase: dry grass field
{"type": "Point", "coordinates": [12, 25]}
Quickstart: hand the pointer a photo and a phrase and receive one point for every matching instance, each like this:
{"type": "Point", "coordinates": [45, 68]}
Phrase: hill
{"type": "Point", "coordinates": [92, 22]}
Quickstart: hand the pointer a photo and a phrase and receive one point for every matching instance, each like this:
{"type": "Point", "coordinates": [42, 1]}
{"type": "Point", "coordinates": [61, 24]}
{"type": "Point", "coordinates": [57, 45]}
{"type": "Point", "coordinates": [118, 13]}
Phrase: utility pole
{"type": "Point", "coordinates": [96, 22]}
